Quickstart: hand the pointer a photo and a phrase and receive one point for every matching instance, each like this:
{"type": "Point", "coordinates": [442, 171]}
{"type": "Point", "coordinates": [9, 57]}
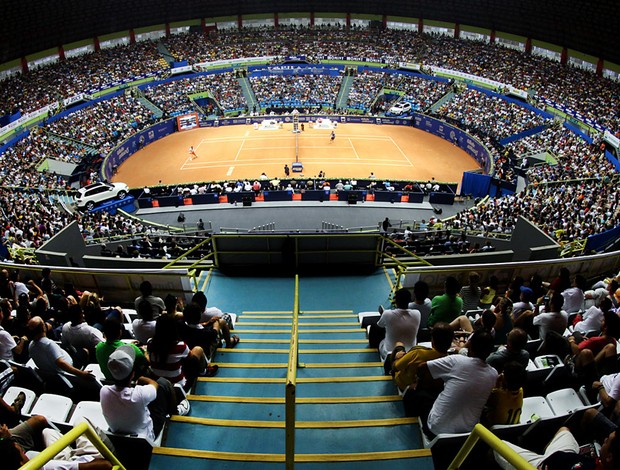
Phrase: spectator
{"type": "Point", "coordinates": [421, 302]}
{"type": "Point", "coordinates": [144, 326]}
{"type": "Point", "coordinates": [464, 376]}
{"type": "Point", "coordinates": [446, 307]}
{"type": "Point", "coordinates": [146, 289]}
{"type": "Point", "coordinates": [79, 334]}
{"type": "Point", "coordinates": [195, 333]}
{"type": "Point", "coordinates": [563, 452]}
{"type": "Point", "coordinates": [215, 318]}
{"type": "Point", "coordinates": [514, 351]}
{"type": "Point", "coordinates": [506, 400]}
{"type": "Point", "coordinates": [401, 324]}
{"type": "Point", "coordinates": [50, 358]}
{"type": "Point", "coordinates": [574, 296]}
{"type": "Point", "coordinates": [553, 318]}
{"type": "Point", "coordinates": [471, 293]}
{"type": "Point", "coordinates": [171, 358]}
{"type": "Point", "coordinates": [141, 409]}
{"type": "Point", "coordinates": [16, 442]}
{"type": "Point", "coordinates": [489, 292]}
{"type": "Point", "coordinates": [589, 353]}
{"type": "Point", "coordinates": [405, 368]}
{"type": "Point", "coordinates": [10, 345]}
{"type": "Point", "coordinates": [593, 317]}
{"type": "Point", "coordinates": [112, 331]}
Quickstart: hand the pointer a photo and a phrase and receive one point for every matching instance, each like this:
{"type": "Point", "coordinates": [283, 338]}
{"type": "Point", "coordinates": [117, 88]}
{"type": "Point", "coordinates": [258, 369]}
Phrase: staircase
{"type": "Point", "coordinates": [167, 57]}
{"type": "Point", "coordinates": [157, 113]}
{"type": "Point", "coordinates": [348, 414]}
{"type": "Point", "coordinates": [440, 102]}
{"type": "Point", "coordinates": [248, 93]}
{"type": "Point", "coordinates": [343, 93]}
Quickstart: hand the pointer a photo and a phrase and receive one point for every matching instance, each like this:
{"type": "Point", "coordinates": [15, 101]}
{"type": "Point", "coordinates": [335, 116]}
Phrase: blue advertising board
{"type": "Point", "coordinates": [457, 137]}
{"type": "Point", "coordinates": [117, 156]}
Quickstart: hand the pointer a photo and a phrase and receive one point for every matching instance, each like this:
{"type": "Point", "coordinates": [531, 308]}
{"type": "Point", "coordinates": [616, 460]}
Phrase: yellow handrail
{"type": "Point", "coordinates": [480, 432]}
{"type": "Point", "coordinates": [291, 383]}
{"type": "Point", "coordinates": [83, 428]}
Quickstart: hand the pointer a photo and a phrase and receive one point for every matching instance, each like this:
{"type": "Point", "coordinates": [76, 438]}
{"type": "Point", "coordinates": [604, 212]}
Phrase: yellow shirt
{"type": "Point", "coordinates": [504, 406]}
{"type": "Point", "coordinates": [407, 366]}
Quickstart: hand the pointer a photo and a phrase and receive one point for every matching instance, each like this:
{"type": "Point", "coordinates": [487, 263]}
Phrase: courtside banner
{"type": "Point", "coordinates": [309, 118]}
{"type": "Point", "coordinates": [457, 137]}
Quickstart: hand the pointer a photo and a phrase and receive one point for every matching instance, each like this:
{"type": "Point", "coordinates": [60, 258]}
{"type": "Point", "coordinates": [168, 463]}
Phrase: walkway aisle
{"type": "Point", "coordinates": [348, 413]}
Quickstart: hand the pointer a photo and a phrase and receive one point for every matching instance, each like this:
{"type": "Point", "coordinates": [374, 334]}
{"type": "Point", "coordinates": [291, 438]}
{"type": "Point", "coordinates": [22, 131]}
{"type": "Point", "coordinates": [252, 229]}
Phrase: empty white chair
{"type": "Point", "coordinates": [129, 315]}
{"type": "Point", "coordinates": [91, 410]}
{"type": "Point", "coordinates": [363, 315]}
{"type": "Point", "coordinates": [535, 407]}
{"type": "Point", "coordinates": [53, 407]}
{"type": "Point", "coordinates": [564, 401]}
{"type": "Point", "coordinates": [95, 369]}
{"type": "Point", "coordinates": [11, 395]}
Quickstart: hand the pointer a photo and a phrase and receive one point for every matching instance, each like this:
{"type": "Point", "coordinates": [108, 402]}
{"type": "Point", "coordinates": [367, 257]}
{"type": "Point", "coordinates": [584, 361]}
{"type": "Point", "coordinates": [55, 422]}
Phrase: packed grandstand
{"type": "Point", "coordinates": [552, 132]}
{"type": "Point", "coordinates": [569, 197]}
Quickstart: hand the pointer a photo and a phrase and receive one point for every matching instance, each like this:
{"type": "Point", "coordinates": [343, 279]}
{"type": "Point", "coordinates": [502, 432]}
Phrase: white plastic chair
{"type": "Point", "coordinates": [95, 369]}
{"type": "Point", "coordinates": [363, 315]}
{"type": "Point", "coordinates": [564, 401]}
{"type": "Point", "coordinates": [53, 407]}
{"type": "Point", "coordinates": [11, 394]}
{"type": "Point", "coordinates": [535, 406]}
{"type": "Point", "coordinates": [91, 410]}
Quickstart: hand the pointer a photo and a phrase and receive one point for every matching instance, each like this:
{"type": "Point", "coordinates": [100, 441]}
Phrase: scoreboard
{"type": "Point", "coordinates": [187, 122]}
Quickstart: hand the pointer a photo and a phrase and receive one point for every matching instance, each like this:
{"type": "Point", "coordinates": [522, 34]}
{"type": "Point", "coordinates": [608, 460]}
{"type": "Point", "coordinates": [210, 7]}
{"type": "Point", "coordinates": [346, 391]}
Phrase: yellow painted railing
{"type": "Point", "coordinates": [291, 383]}
{"type": "Point", "coordinates": [83, 428]}
{"type": "Point", "coordinates": [480, 432]}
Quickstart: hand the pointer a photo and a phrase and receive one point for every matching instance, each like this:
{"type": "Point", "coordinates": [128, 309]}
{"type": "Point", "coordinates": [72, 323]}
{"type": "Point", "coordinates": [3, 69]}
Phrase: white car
{"type": "Point", "coordinates": [93, 194]}
{"type": "Point", "coordinates": [400, 108]}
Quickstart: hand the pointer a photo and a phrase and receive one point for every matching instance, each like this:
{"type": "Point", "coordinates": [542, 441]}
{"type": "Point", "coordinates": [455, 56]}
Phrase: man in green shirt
{"type": "Point", "coordinates": [112, 333]}
{"type": "Point", "coordinates": [448, 306]}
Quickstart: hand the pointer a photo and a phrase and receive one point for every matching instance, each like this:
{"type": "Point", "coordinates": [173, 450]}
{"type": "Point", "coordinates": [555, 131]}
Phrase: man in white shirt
{"type": "Point", "coordinates": [139, 409]}
{"type": "Point", "coordinates": [468, 381]}
{"type": "Point", "coordinates": [401, 324]}
{"type": "Point", "coordinates": [10, 345]}
{"type": "Point", "coordinates": [47, 355]}
{"type": "Point", "coordinates": [79, 334]}
{"type": "Point", "coordinates": [146, 289]}
{"type": "Point", "coordinates": [553, 318]}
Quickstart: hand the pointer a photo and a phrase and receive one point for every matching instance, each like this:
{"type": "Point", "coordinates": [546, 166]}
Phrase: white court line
{"type": "Point", "coordinates": [301, 147]}
{"type": "Point", "coordinates": [401, 151]}
{"type": "Point", "coordinates": [268, 159]}
{"type": "Point", "coordinates": [280, 137]}
{"type": "Point", "coordinates": [239, 151]}
{"type": "Point", "coordinates": [230, 171]}
{"type": "Point", "coordinates": [325, 162]}
{"type": "Point", "coordinates": [354, 151]}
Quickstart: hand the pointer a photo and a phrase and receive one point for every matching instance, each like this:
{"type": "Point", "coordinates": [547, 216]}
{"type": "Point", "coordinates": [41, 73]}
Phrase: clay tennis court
{"type": "Point", "coordinates": [242, 152]}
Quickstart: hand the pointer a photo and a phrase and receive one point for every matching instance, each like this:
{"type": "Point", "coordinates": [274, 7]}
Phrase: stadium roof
{"type": "Point", "coordinates": [589, 26]}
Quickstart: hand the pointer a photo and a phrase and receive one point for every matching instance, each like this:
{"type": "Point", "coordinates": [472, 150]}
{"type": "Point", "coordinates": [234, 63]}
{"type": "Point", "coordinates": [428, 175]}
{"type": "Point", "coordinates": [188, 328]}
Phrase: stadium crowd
{"type": "Point", "coordinates": [489, 118]}
{"type": "Point", "coordinates": [302, 91]}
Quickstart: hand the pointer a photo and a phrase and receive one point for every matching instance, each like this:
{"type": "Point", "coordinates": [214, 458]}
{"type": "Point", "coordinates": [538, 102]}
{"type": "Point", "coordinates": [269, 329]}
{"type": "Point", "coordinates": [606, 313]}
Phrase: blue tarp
{"type": "Point", "coordinates": [475, 184]}
{"type": "Point", "coordinates": [600, 241]}
{"type": "Point", "coordinates": [522, 135]}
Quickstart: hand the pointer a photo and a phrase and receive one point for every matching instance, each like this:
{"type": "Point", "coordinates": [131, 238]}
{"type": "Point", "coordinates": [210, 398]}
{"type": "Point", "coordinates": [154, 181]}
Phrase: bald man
{"type": "Point", "coordinates": [47, 355]}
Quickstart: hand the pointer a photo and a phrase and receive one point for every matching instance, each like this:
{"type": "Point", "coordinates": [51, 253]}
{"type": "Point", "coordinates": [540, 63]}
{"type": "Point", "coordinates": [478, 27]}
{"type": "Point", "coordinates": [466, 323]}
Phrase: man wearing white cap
{"type": "Point", "coordinates": [141, 408]}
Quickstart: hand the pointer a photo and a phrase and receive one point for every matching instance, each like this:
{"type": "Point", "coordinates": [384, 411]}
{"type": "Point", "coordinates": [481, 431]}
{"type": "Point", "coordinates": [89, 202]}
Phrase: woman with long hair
{"type": "Point", "coordinates": [171, 358]}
